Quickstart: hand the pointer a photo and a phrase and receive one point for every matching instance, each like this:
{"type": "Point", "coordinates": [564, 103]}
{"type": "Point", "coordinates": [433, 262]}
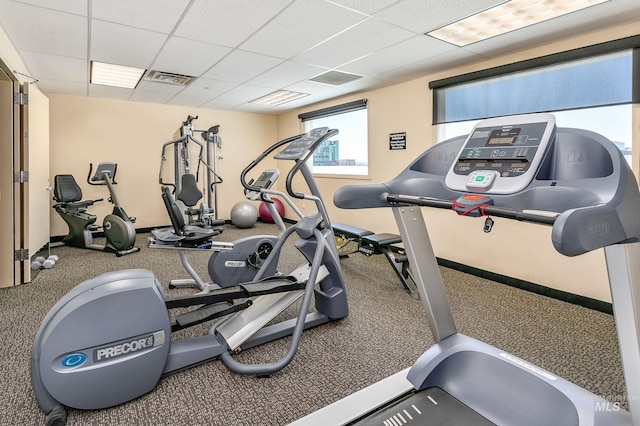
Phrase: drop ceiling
{"type": "Point", "coordinates": [240, 50]}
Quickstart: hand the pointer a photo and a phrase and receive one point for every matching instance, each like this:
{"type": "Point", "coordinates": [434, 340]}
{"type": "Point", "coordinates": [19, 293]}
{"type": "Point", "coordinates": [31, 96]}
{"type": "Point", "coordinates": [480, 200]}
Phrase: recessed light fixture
{"type": "Point", "coordinates": [279, 97]}
{"type": "Point", "coordinates": [505, 17]}
{"type": "Point", "coordinates": [115, 75]}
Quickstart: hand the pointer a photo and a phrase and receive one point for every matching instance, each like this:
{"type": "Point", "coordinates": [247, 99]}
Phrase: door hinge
{"type": "Point", "coordinates": [21, 177]}
{"type": "Point", "coordinates": [21, 255]}
{"type": "Point", "coordinates": [21, 98]}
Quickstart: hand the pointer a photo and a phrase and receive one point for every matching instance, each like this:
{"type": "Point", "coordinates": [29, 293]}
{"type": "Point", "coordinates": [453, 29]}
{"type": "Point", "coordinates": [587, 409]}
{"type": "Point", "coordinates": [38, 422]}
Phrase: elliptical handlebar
{"type": "Point", "coordinates": [243, 176]}
{"type": "Point", "coordinates": [300, 153]}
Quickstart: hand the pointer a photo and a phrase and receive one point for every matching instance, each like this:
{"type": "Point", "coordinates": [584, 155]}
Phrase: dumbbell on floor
{"type": "Point", "coordinates": [40, 262]}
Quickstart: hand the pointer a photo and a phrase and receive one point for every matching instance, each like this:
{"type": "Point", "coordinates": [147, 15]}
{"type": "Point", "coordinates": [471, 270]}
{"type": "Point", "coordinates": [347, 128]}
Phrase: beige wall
{"type": "Point", "coordinates": [39, 194]}
{"type": "Point", "coordinates": [513, 249]}
{"type": "Point", "coordinates": [89, 130]}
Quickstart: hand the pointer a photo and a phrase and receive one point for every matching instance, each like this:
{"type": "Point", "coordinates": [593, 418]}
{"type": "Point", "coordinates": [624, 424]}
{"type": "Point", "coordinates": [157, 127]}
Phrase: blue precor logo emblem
{"type": "Point", "coordinates": [74, 360]}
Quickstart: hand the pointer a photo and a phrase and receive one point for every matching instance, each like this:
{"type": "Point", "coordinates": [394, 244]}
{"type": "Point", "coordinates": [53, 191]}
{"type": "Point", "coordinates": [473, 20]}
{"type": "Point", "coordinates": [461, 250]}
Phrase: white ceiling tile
{"type": "Point", "coordinates": [308, 87]}
{"type": "Point", "coordinates": [431, 65]}
{"type": "Point", "coordinates": [56, 67]}
{"type": "Point", "coordinates": [155, 15]}
{"type": "Point", "coordinates": [286, 74]}
{"type": "Point", "coordinates": [383, 39]}
{"type": "Point", "coordinates": [150, 97]}
{"type": "Point", "coordinates": [109, 92]}
{"type": "Point", "coordinates": [245, 93]}
{"type": "Point", "coordinates": [366, 6]}
{"type": "Point", "coordinates": [299, 27]}
{"type": "Point", "coordinates": [47, 31]}
{"type": "Point", "coordinates": [206, 88]}
{"type": "Point", "coordinates": [363, 39]}
{"type": "Point", "coordinates": [421, 16]}
{"type": "Point", "coordinates": [188, 99]}
{"type": "Point", "coordinates": [221, 104]}
{"type": "Point", "coordinates": [122, 45]}
{"type": "Point", "coordinates": [188, 57]}
{"type": "Point", "coordinates": [64, 87]}
{"type": "Point", "coordinates": [227, 22]}
{"type": "Point", "coordinates": [240, 66]}
{"type": "Point", "coordinates": [152, 86]}
{"type": "Point", "coordinates": [254, 108]}
{"type": "Point", "coordinates": [403, 53]}
{"type": "Point", "coordinates": [79, 7]}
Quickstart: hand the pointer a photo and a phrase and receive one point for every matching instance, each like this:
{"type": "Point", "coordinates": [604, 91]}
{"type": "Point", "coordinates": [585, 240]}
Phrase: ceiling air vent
{"type": "Point", "coordinates": [335, 78]}
{"type": "Point", "coordinates": [168, 78]}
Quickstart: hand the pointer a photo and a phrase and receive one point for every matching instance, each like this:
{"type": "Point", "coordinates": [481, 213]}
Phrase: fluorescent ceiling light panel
{"type": "Point", "coordinates": [505, 17]}
{"type": "Point", "coordinates": [115, 75]}
{"type": "Point", "coordinates": [279, 97]}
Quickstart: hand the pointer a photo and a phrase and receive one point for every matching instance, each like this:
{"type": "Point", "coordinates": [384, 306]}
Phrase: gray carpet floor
{"type": "Point", "coordinates": [384, 332]}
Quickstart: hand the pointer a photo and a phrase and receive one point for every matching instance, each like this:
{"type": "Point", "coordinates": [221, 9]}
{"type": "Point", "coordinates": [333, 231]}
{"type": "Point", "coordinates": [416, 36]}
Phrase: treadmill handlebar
{"type": "Point", "coordinates": [545, 218]}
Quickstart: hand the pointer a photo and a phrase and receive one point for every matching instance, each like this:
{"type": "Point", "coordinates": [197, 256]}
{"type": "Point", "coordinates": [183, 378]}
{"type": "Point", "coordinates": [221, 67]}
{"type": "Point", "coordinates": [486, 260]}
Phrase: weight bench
{"type": "Point", "coordinates": [371, 244]}
{"type": "Point", "coordinates": [348, 234]}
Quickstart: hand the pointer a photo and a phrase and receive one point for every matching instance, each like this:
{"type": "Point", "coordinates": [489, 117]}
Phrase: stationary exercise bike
{"type": "Point", "coordinates": [117, 227]}
{"type": "Point", "coordinates": [109, 339]}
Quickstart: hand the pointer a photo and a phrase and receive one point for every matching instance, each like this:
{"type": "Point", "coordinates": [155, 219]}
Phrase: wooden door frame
{"type": "Point", "coordinates": [18, 196]}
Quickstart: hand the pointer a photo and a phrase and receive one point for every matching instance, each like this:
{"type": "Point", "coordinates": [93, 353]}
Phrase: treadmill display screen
{"type": "Point", "coordinates": [505, 137]}
{"type": "Point", "coordinates": [491, 147]}
{"type": "Point", "coordinates": [504, 151]}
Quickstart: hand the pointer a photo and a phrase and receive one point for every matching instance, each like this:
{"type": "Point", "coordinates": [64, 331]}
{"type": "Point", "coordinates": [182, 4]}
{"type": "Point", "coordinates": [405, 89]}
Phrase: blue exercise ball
{"type": "Point", "coordinates": [244, 214]}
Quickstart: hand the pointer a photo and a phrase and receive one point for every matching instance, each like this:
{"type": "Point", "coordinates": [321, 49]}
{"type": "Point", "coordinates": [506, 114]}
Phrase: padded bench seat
{"type": "Point", "coordinates": [350, 231]}
{"type": "Point", "coordinates": [384, 239]}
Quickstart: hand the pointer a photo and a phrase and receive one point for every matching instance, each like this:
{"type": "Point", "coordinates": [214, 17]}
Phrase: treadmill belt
{"type": "Point", "coordinates": [432, 406]}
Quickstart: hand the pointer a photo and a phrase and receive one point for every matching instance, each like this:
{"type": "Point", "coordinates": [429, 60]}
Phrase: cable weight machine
{"type": "Point", "coordinates": [185, 179]}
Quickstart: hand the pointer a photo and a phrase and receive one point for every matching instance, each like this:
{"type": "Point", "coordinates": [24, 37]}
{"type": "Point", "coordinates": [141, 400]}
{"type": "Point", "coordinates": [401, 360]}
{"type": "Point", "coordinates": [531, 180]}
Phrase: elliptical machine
{"type": "Point", "coordinates": [80, 360]}
{"type": "Point", "coordinates": [117, 227]}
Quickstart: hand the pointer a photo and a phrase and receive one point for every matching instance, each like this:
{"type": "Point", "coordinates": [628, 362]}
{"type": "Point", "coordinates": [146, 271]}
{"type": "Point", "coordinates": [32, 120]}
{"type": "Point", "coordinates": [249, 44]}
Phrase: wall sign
{"type": "Point", "coordinates": [398, 140]}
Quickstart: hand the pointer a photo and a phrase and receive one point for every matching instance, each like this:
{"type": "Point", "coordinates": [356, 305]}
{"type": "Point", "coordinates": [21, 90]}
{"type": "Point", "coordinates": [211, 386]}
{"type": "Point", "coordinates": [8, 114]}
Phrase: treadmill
{"type": "Point", "coordinates": [523, 168]}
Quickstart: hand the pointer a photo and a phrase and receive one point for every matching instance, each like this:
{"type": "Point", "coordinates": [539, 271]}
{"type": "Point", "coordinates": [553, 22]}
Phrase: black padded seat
{"type": "Point", "coordinates": [191, 234]}
{"type": "Point", "coordinates": [67, 192]}
{"type": "Point", "coordinates": [350, 231]}
{"type": "Point", "coordinates": [382, 239]}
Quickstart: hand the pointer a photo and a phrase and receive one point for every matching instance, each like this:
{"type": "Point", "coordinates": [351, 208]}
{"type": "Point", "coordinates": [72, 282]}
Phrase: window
{"type": "Point", "coordinates": [590, 88]}
{"type": "Point", "coordinates": [347, 152]}
{"type": "Point", "coordinates": [613, 122]}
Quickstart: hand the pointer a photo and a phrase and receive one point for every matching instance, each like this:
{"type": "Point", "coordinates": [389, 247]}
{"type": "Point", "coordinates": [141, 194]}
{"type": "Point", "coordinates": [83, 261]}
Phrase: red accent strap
{"type": "Point", "coordinates": [480, 208]}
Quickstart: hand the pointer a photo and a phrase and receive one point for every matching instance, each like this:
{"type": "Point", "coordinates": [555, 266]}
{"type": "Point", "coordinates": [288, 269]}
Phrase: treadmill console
{"type": "Point", "coordinates": [265, 181]}
{"type": "Point", "coordinates": [502, 155]}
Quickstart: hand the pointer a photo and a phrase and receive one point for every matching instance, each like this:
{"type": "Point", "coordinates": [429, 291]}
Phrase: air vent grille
{"type": "Point", "coordinates": [335, 78]}
{"type": "Point", "coordinates": [168, 78]}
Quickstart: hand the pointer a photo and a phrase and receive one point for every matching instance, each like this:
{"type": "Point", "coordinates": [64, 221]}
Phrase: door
{"type": "Point", "coordinates": [14, 260]}
{"type": "Point", "coordinates": [21, 188]}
